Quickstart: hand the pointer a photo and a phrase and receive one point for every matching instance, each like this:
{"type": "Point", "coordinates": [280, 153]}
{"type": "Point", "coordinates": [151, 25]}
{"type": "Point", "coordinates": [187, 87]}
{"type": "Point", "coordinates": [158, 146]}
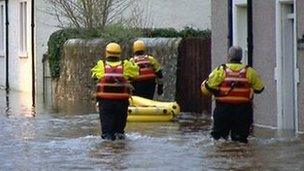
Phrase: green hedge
{"type": "Point", "coordinates": [55, 45]}
{"type": "Point", "coordinates": [171, 32]}
{"type": "Point", "coordinates": [116, 33]}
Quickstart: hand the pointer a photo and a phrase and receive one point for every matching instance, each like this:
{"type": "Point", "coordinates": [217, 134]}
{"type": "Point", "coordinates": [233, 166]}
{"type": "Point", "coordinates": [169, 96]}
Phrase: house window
{"type": "Point", "coordinates": [23, 27]}
{"type": "Point", "coordinates": [2, 29]}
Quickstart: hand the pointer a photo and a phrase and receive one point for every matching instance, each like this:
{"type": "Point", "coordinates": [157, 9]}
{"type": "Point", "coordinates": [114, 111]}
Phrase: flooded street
{"type": "Point", "coordinates": [48, 139]}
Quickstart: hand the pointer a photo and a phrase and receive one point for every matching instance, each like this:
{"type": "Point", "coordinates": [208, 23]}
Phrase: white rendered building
{"type": "Point", "coordinates": [24, 31]}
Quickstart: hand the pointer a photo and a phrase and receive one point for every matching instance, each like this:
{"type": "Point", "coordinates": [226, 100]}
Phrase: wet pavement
{"type": "Point", "coordinates": [43, 138]}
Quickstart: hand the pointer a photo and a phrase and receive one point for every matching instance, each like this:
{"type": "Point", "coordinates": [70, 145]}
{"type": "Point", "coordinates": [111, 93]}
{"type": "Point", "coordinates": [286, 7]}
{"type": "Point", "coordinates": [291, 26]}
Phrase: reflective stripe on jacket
{"type": "Point", "coordinates": [235, 88]}
{"type": "Point", "coordinates": [146, 70]}
{"type": "Point", "coordinates": [113, 85]}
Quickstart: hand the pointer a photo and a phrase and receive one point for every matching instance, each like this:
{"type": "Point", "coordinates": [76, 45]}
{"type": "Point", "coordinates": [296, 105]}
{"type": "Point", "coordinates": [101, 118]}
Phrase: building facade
{"type": "Point", "coordinates": [271, 35]}
{"type": "Point", "coordinates": [24, 31]}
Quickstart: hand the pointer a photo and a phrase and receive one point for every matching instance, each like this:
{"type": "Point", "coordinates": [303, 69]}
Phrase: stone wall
{"type": "Point", "coordinates": [75, 83]}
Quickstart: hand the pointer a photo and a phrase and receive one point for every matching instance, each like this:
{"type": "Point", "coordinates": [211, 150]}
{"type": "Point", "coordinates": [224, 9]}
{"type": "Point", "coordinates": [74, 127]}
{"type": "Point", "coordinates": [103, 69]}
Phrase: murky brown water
{"type": "Point", "coordinates": [48, 139]}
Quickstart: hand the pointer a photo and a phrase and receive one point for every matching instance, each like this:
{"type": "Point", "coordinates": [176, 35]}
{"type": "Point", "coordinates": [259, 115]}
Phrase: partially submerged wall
{"type": "Point", "coordinates": [76, 85]}
{"type": "Point", "coordinates": [75, 82]}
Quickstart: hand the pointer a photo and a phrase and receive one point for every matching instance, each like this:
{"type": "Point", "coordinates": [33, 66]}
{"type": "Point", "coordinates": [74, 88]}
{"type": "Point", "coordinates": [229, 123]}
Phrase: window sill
{"type": "Point", "coordinates": [23, 55]}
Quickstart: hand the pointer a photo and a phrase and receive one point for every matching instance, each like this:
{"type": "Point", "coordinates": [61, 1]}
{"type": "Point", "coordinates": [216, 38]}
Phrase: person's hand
{"type": "Point", "coordinates": [160, 88]}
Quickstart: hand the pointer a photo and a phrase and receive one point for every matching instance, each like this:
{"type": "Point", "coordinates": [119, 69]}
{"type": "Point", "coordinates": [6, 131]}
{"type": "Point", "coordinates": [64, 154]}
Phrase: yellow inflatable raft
{"type": "Point", "coordinates": [146, 110]}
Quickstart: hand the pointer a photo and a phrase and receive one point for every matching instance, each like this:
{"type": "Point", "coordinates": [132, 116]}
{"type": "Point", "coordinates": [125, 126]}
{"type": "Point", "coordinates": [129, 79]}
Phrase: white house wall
{"type": "Point", "coordinates": [174, 13]}
{"type": "Point", "coordinates": [219, 32]}
{"type": "Point", "coordinates": [20, 64]}
{"type": "Point", "coordinates": [45, 26]}
{"type": "Point", "coordinates": [300, 21]}
{"type": "Point", "coordinates": [264, 60]}
{"type": "Point", "coordinates": [2, 52]}
{"type": "Point", "coordinates": [20, 71]}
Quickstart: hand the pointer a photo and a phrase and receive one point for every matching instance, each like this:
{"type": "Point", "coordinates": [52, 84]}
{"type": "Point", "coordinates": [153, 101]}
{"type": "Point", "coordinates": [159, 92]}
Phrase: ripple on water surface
{"type": "Point", "coordinates": [60, 140]}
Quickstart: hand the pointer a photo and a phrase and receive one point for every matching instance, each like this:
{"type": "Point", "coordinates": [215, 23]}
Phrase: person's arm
{"type": "Point", "coordinates": [257, 83]}
{"type": "Point", "coordinates": [157, 68]}
{"type": "Point", "coordinates": [160, 85]}
{"type": "Point", "coordinates": [98, 70]}
{"type": "Point", "coordinates": [204, 89]}
{"type": "Point", "coordinates": [159, 74]}
{"type": "Point", "coordinates": [214, 80]}
{"type": "Point", "coordinates": [155, 64]}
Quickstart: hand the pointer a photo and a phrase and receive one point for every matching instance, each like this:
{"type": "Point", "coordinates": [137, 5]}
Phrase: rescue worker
{"type": "Point", "coordinates": [113, 91]}
{"type": "Point", "coordinates": [150, 72]}
{"type": "Point", "coordinates": [233, 85]}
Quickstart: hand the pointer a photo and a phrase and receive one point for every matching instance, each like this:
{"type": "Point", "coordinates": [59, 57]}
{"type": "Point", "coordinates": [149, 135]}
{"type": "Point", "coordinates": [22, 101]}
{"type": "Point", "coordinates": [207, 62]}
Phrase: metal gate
{"type": "Point", "coordinates": [194, 65]}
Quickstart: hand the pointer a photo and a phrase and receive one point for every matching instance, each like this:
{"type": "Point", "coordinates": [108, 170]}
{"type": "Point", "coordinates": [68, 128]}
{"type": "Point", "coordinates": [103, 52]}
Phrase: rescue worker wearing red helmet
{"type": "Point", "coordinates": [233, 85]}
{"type": "Point", "coordinates": [113, 91]}
{"type": "Point", "coordinates": [150, 72]}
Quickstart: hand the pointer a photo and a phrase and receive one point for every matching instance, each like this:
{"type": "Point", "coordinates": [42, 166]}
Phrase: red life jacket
{"type": "Point", "coordinates": [235, 88]}
{"type": "Point", "coordinates": [113, 84]}
{"type": "Point", "coordinates": [146, 70]}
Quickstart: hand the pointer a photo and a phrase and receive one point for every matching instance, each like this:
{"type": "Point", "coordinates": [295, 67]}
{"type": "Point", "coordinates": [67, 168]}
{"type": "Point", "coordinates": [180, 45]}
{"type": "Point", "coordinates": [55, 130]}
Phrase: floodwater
{"type": "Point", "coordinates": [42, 138]}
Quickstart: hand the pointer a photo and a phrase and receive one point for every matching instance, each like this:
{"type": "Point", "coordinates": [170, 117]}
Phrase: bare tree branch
{"type": "Point", "coordinates": [91, 13]}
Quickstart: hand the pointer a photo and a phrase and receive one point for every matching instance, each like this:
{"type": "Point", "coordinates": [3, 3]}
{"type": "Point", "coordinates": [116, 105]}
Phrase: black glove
{"type": "Point", "coordinates": [160, 90]}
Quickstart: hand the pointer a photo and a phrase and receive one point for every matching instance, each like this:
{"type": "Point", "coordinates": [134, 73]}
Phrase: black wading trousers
{"type": "Point", "coordinates": [144, 88]}
{"type": "Point", "coordinates": [232, 119]}
{"type": "Point", "coordinates": [113, 117]}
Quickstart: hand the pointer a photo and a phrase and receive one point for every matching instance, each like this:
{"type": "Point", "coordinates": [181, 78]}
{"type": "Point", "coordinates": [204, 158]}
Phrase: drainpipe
{"type": "Point", "coordinates": [33, 51]}
{"type": "Point", "coordinates": [6, 46]}
{"type": "Point", "coordinates": [249, 32]}
{"type": "Point", "coordinates": [230, 27]}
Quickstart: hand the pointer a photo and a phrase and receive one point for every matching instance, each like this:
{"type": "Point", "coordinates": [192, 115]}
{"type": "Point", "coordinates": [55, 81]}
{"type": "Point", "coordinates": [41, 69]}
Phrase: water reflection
{"type": "Point", "coordinates": [17, 103]}
{"type": "Point", "coordinates": [7, 108]}
{"type": "Point", "coordinates": [111, 155]}
{"type": "Point", "coordinates": [226, 155]}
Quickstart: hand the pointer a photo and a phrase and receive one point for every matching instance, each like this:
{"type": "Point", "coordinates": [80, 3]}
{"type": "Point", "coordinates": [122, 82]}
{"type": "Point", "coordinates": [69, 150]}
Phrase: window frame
{"type": "Point", "coordinates": [23, 29]}
{"type": "Point", "coordinates": [2, 28]}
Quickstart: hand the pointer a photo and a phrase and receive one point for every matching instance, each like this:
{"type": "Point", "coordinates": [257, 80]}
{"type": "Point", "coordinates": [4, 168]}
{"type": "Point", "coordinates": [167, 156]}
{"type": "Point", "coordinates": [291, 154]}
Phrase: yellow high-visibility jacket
{"type": "Point", "coordinates": [218, 75]}
{"type": "Point", "coordinates": [130, 69]}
